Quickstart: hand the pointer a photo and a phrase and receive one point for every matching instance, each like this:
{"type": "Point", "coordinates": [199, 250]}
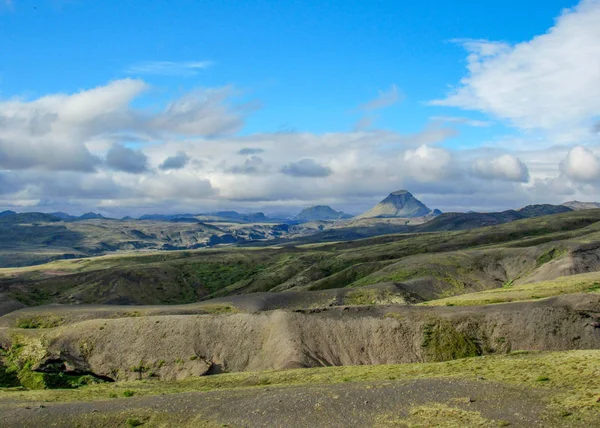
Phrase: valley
{"type": "Point", "coordinates": [436, 313]}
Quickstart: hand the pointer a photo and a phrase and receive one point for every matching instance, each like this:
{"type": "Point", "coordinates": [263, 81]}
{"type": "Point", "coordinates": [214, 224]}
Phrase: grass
{"type": "Point", "coordinates": [436, 415]}
{"type": "Point", "coordinates": [549, 255]}
{"type": "Point", "coordinates": [572, 376]}
{"type": "Point", "coordinates": [367, 296]}
{"type": "Point", "coordinates": [586, 282]}
{"type": "Point", "coordinates": [442, 341]}
{"type": "Point", "coordinates": [39, 321]}
{"type": "Point", "coordinates": [189, 276]}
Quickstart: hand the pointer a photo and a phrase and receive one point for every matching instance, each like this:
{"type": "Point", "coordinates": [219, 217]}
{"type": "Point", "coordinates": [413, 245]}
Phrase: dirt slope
{"type": "Point", "coordinates": [177, 346]}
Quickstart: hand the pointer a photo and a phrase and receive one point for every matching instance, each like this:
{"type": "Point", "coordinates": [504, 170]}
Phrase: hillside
{"type": "Point", "coordinates": [428, 265]}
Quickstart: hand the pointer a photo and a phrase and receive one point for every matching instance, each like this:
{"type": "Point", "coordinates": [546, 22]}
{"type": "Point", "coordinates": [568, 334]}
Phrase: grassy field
{"type": "Point", "coordinates": [582, 283]}
{"type": "Point", "coordinates": [454, 263]}
{"type": "Point", "coordinates": [572, 376]}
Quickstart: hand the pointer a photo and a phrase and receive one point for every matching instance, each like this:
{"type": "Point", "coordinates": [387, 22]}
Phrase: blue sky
{"type": "Point", "coordinates": [299, 67]}
{"type": "Point", "coordinates": [308, 63]}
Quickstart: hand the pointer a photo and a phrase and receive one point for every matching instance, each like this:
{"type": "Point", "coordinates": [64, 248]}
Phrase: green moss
{"type": "Point", "coordinates": [39, 321]}
{"type": "Point", "coordinates": [549, 255]}
{"type": "Point", "coordinates": [133, 422]}
{"type": "Point", "coordinates": [16, 369]}
{"type": "Point", "coordinates": [442, 341]}
{"type": "Point", "coordinates": [594, 287]}
{"type": "Point", "coordinates": [361, 297]}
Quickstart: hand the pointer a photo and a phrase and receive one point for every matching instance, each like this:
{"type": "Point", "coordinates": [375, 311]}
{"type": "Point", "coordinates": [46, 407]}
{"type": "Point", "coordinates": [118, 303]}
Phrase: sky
{"type": "Point", "coordinates": [128, 108]}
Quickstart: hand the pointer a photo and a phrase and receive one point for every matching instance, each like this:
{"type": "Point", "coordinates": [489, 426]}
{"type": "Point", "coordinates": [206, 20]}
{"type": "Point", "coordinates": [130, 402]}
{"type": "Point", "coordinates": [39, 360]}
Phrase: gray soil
{"type": "Point", "coordinates": [357, 404]}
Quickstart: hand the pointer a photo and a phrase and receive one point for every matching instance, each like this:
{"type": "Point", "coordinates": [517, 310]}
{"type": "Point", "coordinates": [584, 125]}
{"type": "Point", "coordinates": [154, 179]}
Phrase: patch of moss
{"type": "Point", "coordinates": [442, 341]}
{"type": "Point", "coordinates": [16, 369]}
{"type": "Point", "coordinates": [40, 321]}
{"type": "Point", "coordinates": [549, 255]}
{"type": "Point", "coordinates": [594, 288]}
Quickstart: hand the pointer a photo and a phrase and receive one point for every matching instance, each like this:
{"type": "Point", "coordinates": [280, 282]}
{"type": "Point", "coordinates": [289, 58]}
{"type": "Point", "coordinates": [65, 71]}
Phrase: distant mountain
{"type": "Point", "coordinates": [64, 216]}
{"type": "Point", "coordinates": [401, 204]}
{"type": "Point", "coordinates": [577, 205]}
{"type": "Point", "coordinates": [167, 217]}
{"type": "Point", "coordinates": [319, 212]}
{"type": "Point", "coordinates": [90, 216]}
{"type": "Point", "coordinates": [235, 217]}
{"type": "Point", "coordinates": [11, 217]}
{"type": "Point", "coordinates": [208, 217]}
{"type": "Point", "coordinates": [471, 220]}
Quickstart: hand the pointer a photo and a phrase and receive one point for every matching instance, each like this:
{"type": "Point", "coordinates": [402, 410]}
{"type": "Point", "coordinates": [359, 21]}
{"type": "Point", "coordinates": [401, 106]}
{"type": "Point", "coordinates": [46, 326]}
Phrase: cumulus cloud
{"type": "Point", "coordinates": [252, 165]}
{"type": "Point", "coordinates": [57, 132]}
{"type": "Point", "coordinates": [168, 68]}
{"type": "Point", "coordinates": [506, 167]}
{"type": "Point", "coordinates": [428, 163]}
{"type": "Point", "coordinates": [581, 164]}
{"type": "Point", "coordinates": [306, 168]}
{"type": "Point", "coordinates": [73, 151]}
{"type": "Point", "coordinates": [250, 151]}
{"type": "Point", "coordinates": [124, 159]}
{"type": "Point", "coordinates": [179, 161]}
{"type": "Point", "coordinates": [548, 83]}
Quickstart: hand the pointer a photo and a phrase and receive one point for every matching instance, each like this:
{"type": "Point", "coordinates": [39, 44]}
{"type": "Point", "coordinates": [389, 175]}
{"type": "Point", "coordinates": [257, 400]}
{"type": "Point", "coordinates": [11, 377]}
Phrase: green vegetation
{"type": "Point", "coordinates": [452, 262]}
{"type": "Point", "coordinates": [17, 365]}
{"type": "Point", "coordinates": [587, 282]}
{"type": "Point", "coordinates": [443, 341]}
{"type": "Point", "coordinates": [134, 422]}
{"type": "Point", "coordinates": [369, 296]}
{"type": "Point", "coordinates": [436, 415]}
{"type": "Point", "coordinates": [40, 321]}
{"type": "Point", "coordinates": [551, 254]}
{"type": "Point", "coordinates": [572, 378]}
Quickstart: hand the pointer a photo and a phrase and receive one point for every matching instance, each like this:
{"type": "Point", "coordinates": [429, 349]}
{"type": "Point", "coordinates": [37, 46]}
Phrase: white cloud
{"type": "Point", "coordinates": [428, 164]}
{"type": "Point", "coordinates": [202, 112]}
{"type": "Point", "coordinates": [168, 68]}
{"type": "Point", "coordinates": [461, 121]}
{"type": "Point", "coordinates": [549, 83]}
{"type": "Point", "coordinates": [505, 167]}
{"type": "Point", "coordinates": [59, 132]}
{"type": "Point", "coordinates": [383, 100]}
{"type": "Point", "coordinates": [78, 151]}
{"type": "Point", "coordinates": [581, 164]}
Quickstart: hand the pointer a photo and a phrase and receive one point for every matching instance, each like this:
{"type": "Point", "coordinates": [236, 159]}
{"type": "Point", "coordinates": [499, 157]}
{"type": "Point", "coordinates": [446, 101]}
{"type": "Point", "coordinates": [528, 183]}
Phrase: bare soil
{"type": "Point", "coordinates": [357, 404]}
